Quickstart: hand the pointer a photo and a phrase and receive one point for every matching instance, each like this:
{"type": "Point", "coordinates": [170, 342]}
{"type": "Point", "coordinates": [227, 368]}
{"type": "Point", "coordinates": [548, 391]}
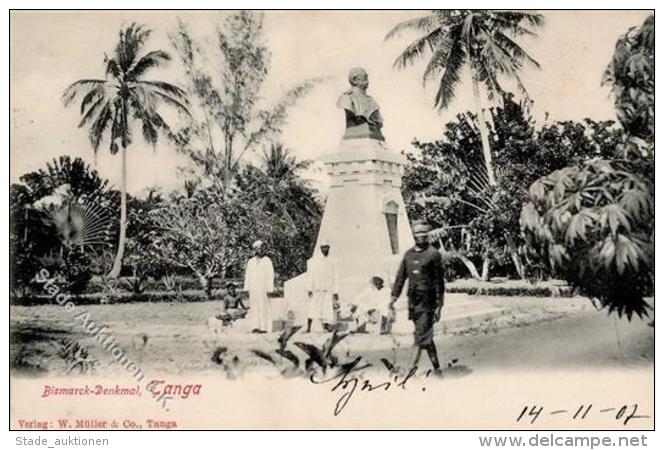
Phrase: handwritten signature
{"type": "Point", "coordinates": [351, 379]}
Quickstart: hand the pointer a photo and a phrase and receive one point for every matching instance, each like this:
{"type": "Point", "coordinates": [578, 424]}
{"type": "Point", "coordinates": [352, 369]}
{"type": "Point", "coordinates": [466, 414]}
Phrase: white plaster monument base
{"type": "Point", "coordinates": [365, 187]}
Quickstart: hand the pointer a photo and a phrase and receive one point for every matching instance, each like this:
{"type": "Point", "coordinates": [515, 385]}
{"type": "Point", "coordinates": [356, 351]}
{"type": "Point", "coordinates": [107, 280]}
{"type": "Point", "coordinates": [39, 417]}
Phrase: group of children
{"type": "Point", "coordinates": [370, 313]}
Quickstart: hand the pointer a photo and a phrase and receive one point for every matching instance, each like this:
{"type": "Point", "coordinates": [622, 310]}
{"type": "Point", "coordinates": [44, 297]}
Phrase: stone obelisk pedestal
{"type": "Point", "coordinates": [364, 221]}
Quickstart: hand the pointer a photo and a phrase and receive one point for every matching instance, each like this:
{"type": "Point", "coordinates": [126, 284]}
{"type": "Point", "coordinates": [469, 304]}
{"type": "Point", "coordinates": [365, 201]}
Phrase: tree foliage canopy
{"type": "Point", "coordinates": [60, 216]}
{"type": "Point", "coordinates": [484, 40]}
{"type": "Point", "coordinates": [107, 105]}
{"type": "Point", "coordinates": [225, 82]}
{"type": "Point", "coordinates": [631, 76]}
{"type": "Point", "coordinates": [593, 222]}
{"type": "Point", "coordinates": [594, 225]}
{"type": "Point", "coordinates": [446, 181]}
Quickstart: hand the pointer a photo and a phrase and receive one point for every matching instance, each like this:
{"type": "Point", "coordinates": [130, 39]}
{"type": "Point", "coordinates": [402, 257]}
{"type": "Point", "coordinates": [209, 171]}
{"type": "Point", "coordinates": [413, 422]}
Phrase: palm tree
{"type": "Point", "coordinates": [483, 40]}
{"type": "Point", "coordinates": [107, 105]}
{"type": "Point", "coordinates": [285, 203]}
{"type": "Point", "coordinates": [280, 170]}
{"type": "Point", "coordinates": [280, 164]}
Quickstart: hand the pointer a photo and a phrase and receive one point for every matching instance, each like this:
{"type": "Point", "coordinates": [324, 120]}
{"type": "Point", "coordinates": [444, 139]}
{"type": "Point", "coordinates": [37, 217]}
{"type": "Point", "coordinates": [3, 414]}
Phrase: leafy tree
{"type": "Point", "coordinates": [228, 121]}
{"type": "Point", "coordinates": [631, 76]}
{"type": "Point", "coordinates": [593, 222]}
{"type": "Point", "coordinates": [59, 219]}
{"type": "Point", "coordinates": [204, 234]}
{"type": "Point", "coordinates": [446, 180]}
{"type": "Point", "coordinates": [485, 41]}
{"type": "Point", "coordinates": [108, 106]}
{"type": "Point", "coordinates": [143, 258]}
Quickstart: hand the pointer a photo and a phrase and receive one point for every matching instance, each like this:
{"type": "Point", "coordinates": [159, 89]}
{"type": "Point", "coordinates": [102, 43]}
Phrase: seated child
{"type": "Point", "coordinates": [356, 324]}
{"type": "Point", "coordinates": [375, 301]}
{"type": "Point", "coordinates": [232, 307]}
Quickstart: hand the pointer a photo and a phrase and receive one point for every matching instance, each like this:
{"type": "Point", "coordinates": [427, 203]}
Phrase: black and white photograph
{"type": "Point", "coordinates": [332, 220]}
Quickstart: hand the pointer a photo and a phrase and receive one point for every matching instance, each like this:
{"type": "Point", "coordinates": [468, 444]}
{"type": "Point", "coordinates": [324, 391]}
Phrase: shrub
{"type": "Point", "coordinates": [522, 291]}
{"type": "Point", "coordinates": [594, 226]}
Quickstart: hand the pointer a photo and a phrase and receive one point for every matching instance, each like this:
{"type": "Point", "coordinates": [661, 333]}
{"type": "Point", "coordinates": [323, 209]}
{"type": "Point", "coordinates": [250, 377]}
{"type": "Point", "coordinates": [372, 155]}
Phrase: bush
{"type": "Point", "coordinates": [512, 291]}
{"type": "Point", "coordinates": [128, 297]}
{"type": "Point", "coordinates": [594, 226]}
{"type": "Point", "coordinates": [76, 271]}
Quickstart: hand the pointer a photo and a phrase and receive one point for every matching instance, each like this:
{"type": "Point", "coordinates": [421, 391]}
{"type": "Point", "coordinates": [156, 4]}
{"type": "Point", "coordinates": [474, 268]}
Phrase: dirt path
{"type": "Point", "coordinates": [522, 333]}
{"type": "Point", "coordinates": [583, 340]}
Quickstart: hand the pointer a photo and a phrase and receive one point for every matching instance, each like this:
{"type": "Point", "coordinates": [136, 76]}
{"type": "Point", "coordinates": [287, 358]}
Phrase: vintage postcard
{"type": "Point", "coordinates": [332, 220]}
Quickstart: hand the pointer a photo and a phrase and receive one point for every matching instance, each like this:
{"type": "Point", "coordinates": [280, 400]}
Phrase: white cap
{"type": "Point", "coordinates": [257, 244]}
{"type": "Point", "coordinates": [324, 242]}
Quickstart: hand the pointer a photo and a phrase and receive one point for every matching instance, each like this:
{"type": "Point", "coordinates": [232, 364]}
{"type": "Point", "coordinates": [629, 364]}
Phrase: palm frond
{"type": "Point", "coordinates": [485, 70]}
{"type": "Point", "coordinates": [426, 24]}
{"type": "Point", "coordinates": [117, 131]}
{"type": "Point", "coordinates": [497, 60]}
{"type": "Point", "coordinates": [113, 69]}
{"type": "Point", "coordinates": [513, 28]}
{"type": "Point", "coordinates": [77, 88]}
{"type": "Point", "coordinates": [131, 41]}
{"type": "Point", "coordinates": [514, 50]}
{"type": "Point", "coordinates": [452, 60]}
{"type": "Point", "coordinates": [480, 38]}
{"type": "Point", "coordinates": [467, 28]}
{"type": "Point", "coordinates": [169, 93]}
{"type": "Point", "coordinates": [92, 111]}
{"type": "Point", "coordinates": [100, 125]}
{"type": "Point", "coordinates": [92, 96]}
{"type": "Point", "coordinates": [418, 47]}
{"type": "Point", "coordinates": [532, 19]}
{"type": "Point", "coordinates": [150, 60]}
{"type": "Point", "coordinates": [144, 110]}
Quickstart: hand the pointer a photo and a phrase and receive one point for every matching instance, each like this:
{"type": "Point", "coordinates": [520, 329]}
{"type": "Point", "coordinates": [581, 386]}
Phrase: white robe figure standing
{"type": "Point", "coordinates": [323, 292]}
{"type": "Point", "coordinates": [258, 281]}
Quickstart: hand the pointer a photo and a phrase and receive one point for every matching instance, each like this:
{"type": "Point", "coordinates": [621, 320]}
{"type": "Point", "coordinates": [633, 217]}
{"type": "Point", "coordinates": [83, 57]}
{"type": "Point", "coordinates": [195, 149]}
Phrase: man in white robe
{"type": "Point", "coordinates": [258, 281]}
{"type": "Point", "coordinates": [323, 287]}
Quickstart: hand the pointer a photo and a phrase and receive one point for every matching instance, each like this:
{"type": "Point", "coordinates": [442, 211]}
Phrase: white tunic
{"type": "Point", "coordinates": [323, 282]}
{"type": "Point", "coordinates": [372, 298]}
{"type": "Point", "coordinates": [258, 281]}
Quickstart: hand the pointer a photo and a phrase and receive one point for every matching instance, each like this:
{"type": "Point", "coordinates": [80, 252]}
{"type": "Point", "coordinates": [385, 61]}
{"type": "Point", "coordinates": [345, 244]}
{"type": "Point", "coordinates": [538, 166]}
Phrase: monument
{"type": "Point", "coordinates": [363, 118]}
{"type": "Point", "coordinates": [364, 220]}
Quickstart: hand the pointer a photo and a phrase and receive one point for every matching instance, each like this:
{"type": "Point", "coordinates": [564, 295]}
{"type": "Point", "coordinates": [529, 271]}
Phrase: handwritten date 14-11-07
{"type": "Point", "coordinates": [624, 413]}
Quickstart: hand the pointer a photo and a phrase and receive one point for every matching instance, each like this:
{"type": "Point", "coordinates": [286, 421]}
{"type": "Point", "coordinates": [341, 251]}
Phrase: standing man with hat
{"type": "Point", "coordinates": [258, 281]}
{"type": "Point", "coordinates": [422, 266]}
{"type": "Point", "coordinates": [323, 287]}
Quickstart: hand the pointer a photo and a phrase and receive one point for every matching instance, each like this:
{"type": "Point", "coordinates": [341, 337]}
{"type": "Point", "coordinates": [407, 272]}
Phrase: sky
{"type": "Point", "coordinates": [51, 49]}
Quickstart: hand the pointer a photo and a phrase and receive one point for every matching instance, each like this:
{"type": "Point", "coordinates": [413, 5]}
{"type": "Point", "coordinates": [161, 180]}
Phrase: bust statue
{"type": "Point", "coordinates": [363, 118]}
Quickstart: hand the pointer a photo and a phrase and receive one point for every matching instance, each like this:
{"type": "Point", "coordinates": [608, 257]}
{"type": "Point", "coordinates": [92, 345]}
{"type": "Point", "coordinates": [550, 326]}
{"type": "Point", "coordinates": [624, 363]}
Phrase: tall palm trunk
{"type": "Point", "coordinates": [117, 264]}
{"type": "Point", "coordinates": [514, 254]}
{"type": "Point", "coordinates": [486, 264]}
{"type": "Point", "coordinates": [488, 158]}
{"type": "Point", "coordinates": [484, 133]}
{"type": "Point", "coordinates": [470, 266]}
{"type": "Point", "coordinates": [486, 149]}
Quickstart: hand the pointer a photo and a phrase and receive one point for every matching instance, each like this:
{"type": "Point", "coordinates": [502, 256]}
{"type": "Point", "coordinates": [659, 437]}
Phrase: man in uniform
{"type": "Point", "coordinates": [323, 287]}
{"type": "Point", "coordinates": [422, 266]}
